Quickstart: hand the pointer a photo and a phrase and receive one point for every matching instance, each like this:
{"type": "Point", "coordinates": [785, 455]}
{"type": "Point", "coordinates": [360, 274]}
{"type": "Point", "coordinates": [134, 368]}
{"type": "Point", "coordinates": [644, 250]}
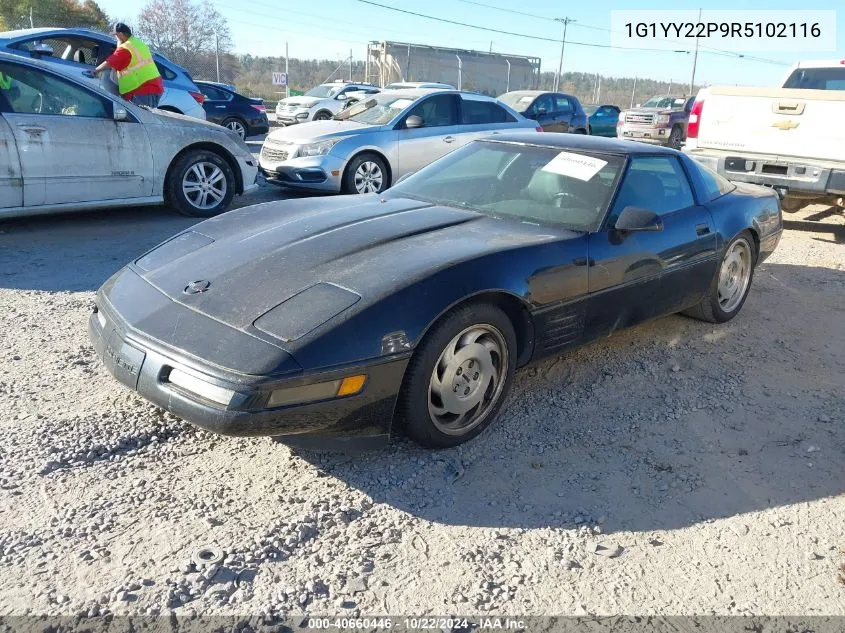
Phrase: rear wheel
{"type": "Point", "coordinates": [730, 285]}
{"type": "Point", "coordinates": [200, 184]}
{"type": "Point", "coordinates": [235, 125]}
{"type": "Point", "coordinates": [458, 377]}
{"type": "Point", "coordinates": [366, 173]}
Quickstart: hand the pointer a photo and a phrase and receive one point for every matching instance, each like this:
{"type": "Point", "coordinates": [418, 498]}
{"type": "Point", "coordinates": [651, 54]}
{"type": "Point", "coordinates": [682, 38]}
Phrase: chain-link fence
{"type": "Point", "coordinates": [379, 63]}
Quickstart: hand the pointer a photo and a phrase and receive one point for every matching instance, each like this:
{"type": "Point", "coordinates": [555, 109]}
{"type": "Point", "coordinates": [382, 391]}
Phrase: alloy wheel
{"type": "Point", "coordinates": [368, 177]}
{"type": "Point", "coordinates": [468, 379]}
{"type": "Point", "coordinates": [734, 275]}
{"type": "Point", "coordinates": [237, 127]}
{"type": "Point", "coordinates": [204, 185]}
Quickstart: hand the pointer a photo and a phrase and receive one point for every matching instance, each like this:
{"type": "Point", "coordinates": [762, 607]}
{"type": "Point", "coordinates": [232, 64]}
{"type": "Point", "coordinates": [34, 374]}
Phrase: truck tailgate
{"type": "Point", "coordinates": [774, 121]}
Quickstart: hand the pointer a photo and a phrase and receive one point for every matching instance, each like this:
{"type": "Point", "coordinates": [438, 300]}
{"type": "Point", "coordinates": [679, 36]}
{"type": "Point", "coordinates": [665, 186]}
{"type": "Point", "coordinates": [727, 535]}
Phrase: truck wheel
{"type": "Point", "coordinates": [200, 184]}
{"type": "Point", "coordinates": [676, 137]}
{"type": "Point", "coordinates": [793, 205]}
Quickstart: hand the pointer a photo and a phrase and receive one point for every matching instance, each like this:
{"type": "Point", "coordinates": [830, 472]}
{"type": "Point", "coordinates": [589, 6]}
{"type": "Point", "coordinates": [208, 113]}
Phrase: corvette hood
{"type": "Point", "coordinates": [250, 260]}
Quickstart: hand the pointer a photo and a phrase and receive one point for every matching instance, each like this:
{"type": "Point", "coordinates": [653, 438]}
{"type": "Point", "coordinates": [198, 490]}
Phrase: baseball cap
{"type": "Point", "coordinates": [121, 27]}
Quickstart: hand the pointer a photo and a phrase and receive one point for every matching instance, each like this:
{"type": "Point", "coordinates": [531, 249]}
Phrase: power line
{"type": "Point", "coordinates": [525, 35]}
{"type": "Point", "coordinates": [710, 49]}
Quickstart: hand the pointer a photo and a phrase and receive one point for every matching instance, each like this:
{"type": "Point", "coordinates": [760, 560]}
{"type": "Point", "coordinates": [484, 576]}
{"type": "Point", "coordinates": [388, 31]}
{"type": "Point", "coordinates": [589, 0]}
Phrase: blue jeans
{"type": "Point", "coordinates": [150, 101]}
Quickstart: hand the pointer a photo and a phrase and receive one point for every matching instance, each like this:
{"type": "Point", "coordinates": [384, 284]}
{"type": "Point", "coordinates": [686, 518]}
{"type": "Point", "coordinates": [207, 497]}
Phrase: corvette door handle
{"type": "Point", "coordinates": [449, 139]}
{"type": "Point", "coordinates": [702, 229]}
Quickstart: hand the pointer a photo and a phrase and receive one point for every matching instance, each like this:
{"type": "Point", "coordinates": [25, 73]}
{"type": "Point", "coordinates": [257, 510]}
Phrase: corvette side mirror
{"type": "Point", "coordinates": [638, 219]}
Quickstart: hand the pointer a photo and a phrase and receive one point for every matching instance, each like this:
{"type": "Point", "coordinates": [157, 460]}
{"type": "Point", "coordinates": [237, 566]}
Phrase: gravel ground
{"type": "Point", "coordinates": [676, 468]}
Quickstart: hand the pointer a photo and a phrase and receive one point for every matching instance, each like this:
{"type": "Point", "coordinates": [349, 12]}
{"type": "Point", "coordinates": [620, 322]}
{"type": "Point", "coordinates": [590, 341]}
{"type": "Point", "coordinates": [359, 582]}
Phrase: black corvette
{"type": "Point", "coordinates": [345, 317]}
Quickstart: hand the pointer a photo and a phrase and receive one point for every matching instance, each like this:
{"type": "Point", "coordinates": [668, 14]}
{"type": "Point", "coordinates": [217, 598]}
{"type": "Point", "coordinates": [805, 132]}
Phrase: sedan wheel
{"type": "Point", "coordinates": [235, 126]}
{"type": "Point", "coordinates": [368, 178]}
{"type": "Point", "coordinates": [459, 376]}
{"type": "Point", "coordinates": [366, 173]}
{"type": "Point", "coordinates": [200, 184]}
{"type": "Point", "coordinates": [731, 284]}
{"type": "Point", "coordinates": [204, 185]}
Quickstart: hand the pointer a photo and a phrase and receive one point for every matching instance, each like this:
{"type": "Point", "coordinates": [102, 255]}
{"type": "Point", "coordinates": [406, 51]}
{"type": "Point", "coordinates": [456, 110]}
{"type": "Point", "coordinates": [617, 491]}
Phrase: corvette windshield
{"type": "Point", "coordinates": [541, 185]}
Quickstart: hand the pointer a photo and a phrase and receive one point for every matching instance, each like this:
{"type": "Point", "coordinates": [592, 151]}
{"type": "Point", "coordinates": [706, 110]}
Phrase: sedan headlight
{"type": "Point", "coordinates": [662, 119]}
{"type": "Point", "coordinates": [320, 148]}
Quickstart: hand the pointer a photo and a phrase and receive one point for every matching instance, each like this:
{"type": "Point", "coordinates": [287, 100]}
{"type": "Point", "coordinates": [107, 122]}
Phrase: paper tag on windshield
{"type": "Point", "coordinates": [526, 99]}
{"type": "Point", "coordinates": [575, 165]}
{"type": "Point", "coordinates": [401, 104]}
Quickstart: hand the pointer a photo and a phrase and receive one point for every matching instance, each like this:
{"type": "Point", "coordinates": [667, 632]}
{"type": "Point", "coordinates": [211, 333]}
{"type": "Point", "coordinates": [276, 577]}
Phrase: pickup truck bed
{"type": "Point", "coordinates": [792, 140]}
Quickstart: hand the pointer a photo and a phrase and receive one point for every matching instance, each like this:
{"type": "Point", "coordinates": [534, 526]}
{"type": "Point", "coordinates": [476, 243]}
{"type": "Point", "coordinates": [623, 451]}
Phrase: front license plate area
{"type": "Point", "coordinates": [124, 360]}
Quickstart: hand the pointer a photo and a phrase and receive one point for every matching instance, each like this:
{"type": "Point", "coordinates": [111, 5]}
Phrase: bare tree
{"type": "Point", "coordinates": [17, 14]}
{"type": "Point", "coordinates": [187, 32]}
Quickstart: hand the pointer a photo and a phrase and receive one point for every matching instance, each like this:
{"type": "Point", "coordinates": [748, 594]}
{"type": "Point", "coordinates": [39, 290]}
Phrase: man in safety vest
{"type": "Point", "coordinates": [138, 78]}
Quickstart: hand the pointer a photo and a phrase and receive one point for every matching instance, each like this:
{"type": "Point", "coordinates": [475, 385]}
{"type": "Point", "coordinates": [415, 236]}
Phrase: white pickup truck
{"type": "Point", "coordinates": [790, 138]}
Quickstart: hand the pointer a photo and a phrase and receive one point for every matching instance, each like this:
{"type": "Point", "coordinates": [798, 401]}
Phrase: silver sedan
{"type": "Point", "coordinates": [67, 146]}
{"type": "Point", "coordinates": [374, 143]}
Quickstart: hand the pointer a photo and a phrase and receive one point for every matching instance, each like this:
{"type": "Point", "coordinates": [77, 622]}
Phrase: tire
{"type": "Point", "coordinates": [422, 413]}
{"type": "Point", "coordinates": [322, 115]}
{"type": "Point", "coordinates": [676, 137]}
{"type": "Point", "coordinates": [190, 169]}
{"type": "Point", "coordinates": [237, 126]}
{"type": "Point", "coordinates": [366, 173]}
{"type": "Point", "coordinates": [713, 307]}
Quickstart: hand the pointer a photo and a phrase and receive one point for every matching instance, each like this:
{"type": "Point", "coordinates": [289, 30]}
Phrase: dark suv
{"type": "Point", "coordinates": [554, 111]}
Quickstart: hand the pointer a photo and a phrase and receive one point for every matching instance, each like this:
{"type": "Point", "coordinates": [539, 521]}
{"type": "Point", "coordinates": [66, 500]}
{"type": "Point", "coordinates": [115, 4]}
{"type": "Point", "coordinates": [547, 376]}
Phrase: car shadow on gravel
{"type": "Point", "coordinates": [76, 252]}
{"type": "Point", "coordinates": [659, 427]}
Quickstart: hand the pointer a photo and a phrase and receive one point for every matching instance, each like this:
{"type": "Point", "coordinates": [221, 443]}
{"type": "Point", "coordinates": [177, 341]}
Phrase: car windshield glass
{"type": "Point", "coordinates": [323, 91]}
{"type": "Point", "coordinates": [817, 79]}
{"type": "Point", "coordinates": [662, 102]}
{"type": "Point", "coordinates": [540, 185]}
{"type": "Point", "coordinates": [377, 110]}
{"type": "Point", "coordinates": [519, 101]}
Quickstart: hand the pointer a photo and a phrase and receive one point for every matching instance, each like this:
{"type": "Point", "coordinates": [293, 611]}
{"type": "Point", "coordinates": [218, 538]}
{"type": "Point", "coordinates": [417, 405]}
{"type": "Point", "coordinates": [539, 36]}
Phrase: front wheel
{"type": "Point", "coordinates": [322, 116]}
{"type": "Point", "coordinates": [200, 184]}
{"type": "Point", "coordinates": [366, 173]}
{"type": "Point", "coordinates": [730, 285]}
{"type": "Point", "coordinates": [458, 377]}
{"type": "Point", "coordinates": [676, 138]}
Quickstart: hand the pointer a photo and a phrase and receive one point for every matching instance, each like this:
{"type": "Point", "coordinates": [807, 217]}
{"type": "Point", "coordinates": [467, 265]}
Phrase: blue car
{"type": "Point", "coordinates": [83, 49]}
{"type": "Point", "coordinates": [603, 119]}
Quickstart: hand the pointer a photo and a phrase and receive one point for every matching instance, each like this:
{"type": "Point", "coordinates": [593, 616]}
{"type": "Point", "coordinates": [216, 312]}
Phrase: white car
{"type": "Point", "coordinates": [413, 85]}
{"type": "Point", "coordinates": [320, 103]}
{"type": "Point", "coordinates": [66, 145]}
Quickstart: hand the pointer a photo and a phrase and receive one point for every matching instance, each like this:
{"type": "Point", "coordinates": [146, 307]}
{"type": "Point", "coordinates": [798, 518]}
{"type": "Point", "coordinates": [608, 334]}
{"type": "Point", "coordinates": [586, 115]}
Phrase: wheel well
{"type": "Point", "coordinates": [516, 311]}
{"type": "Point", "coordinates": [214, 149]}
{"type": "Point", "coordinates": [322, 112]}
{"type": "Point", "coordinates": [374, 153]}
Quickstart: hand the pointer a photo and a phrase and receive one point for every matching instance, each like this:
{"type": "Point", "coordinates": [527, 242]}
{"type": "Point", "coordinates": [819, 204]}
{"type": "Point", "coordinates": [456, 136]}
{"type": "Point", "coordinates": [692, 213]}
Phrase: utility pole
{"type": "Point", "coordinates": [287, 75]}
{"type": "Point", "coordinates": [633, 92]}
{"type": "Point", "coordinates": [670, 86]}
{"type": "Point", "coordinates": [694, 60]}
{"type": "Point", "coordinates": [565, 22]}
{"type": "Point", "coordinates": [31, 23]}
{"type": "Point", "coordinates": [350, 65]}
{"type": "Point", "coordinates": [598, 96]}
{"type": "Point", "coordinates": [217, 53]}
{"type": "Point", "coordinates": [491, 46]}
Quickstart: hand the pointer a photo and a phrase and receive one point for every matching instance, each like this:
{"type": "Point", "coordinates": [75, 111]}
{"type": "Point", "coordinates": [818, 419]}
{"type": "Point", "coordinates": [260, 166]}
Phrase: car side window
{"type": "Point", "coordinates": [437, 111]}
{"type": "Point", "coordinates": [715, 185]}
{"type": "Point", "coordinates": [563, 105]}
{"type": "Point", "coordinates": [543, 105]}
{"type": "Point", "coordinates": [32, 91]}
{"type": "Point", "coordinates": [214, 94]}
{"type": "Point", "coordinates": [656, 183]}
{"type": "Point", "coordinates": [483, 112]}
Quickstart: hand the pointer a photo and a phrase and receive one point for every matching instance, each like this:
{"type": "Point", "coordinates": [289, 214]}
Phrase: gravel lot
{"type": "Point", "coordinates": [677, 468]}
